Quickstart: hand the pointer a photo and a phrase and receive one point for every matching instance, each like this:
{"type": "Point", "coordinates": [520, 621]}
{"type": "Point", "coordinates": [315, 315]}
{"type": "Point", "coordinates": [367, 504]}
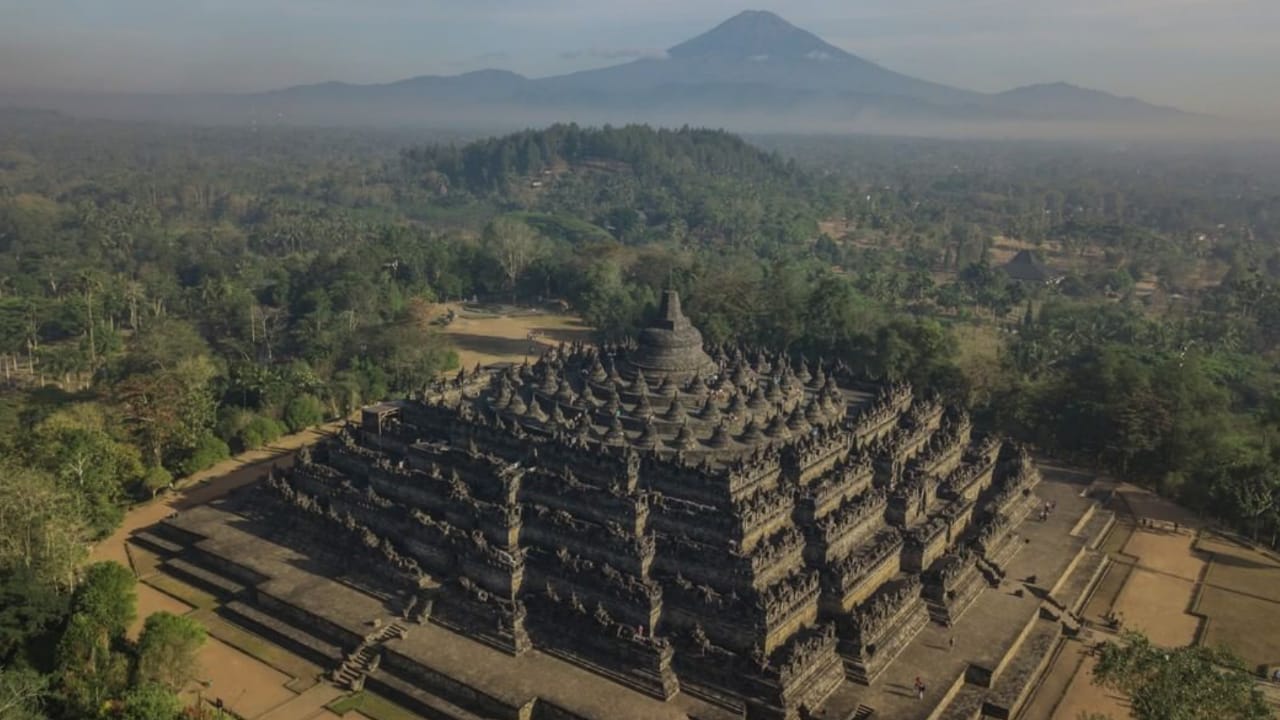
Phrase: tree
{"type": "Point", "coordinates": [155, 479]}
{"type": "Point", "coordinates": [76, 445]}
{"type": "Point", "coordinates": [1188, 683]}
{"type": "Point", "coordinates": [29, 607]}
{"type": "Point", "coordinates": [169, 409]}
{"type": "Point", "coordinates": [150, 701]}
{"type": "Point", "coordinates": [108, 597]}
{"type": "Point", "coordinates": [514, 246]}
{"type": "Point", "coordinates": [42, 526]}
{"type": "Point", "coordinates": [92, 667]}
{"type": "Point", "coordinates": [207, 452]}
{"type": "Point", "coordinates": [1255, 492]}
{"type": "Point", "coordinates": [167, 650]}
{"type": "Point", "coordinates": [22, 694]}
{"type": "Point", "coordinates": [92, 670]}
{"type": "Point", "coordinates": [303, 411]}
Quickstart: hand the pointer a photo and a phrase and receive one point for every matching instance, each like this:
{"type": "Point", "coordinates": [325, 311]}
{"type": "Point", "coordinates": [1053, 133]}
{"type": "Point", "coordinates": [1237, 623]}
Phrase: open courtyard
{"type": "Point", "coordinates": [1177, 582]}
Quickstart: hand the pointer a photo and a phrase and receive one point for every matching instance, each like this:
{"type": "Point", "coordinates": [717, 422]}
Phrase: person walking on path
{"type": "Point", "coordinates": [919, 688]}
{"type": "Point", "coordinates": [951, 643]}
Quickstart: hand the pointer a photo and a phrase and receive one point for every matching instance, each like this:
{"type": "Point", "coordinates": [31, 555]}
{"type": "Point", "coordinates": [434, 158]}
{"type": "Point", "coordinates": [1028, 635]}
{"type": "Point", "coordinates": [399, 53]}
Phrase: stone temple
{"type": "Point", "coordinates": [652, 529]}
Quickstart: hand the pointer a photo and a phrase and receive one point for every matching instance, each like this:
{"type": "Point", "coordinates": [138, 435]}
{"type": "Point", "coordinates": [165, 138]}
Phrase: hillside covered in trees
{"type": "Point", "coordinates": [171, 295]}
{"type": "Point", "coordinates": [638, 183]}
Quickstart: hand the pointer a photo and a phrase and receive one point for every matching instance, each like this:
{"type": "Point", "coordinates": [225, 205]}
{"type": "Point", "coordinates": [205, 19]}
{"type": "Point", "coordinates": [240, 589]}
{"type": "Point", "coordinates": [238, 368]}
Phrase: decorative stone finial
{"type": "Point", "coordinates": [517, 405]}
{"type": "Point", "coordinates": [643, 408]}
{"type": "Point", "coordinates": [777, 428]}
{"type": "Point", "coordinates": [720, 437]}
{"type": "Point", "coordinates": [649, 437]}
{"type": "Point", "coordinates": [667, 387]}
{"type": "Point", "coordinates": [615, 436]}
{"type": "Point", "coordinates": [640, 385]}
{"type": "Point", "coordinates": [802, 373]}
{"type": "Point", "coordinates": [676, 411]}
{"type": "Point", "coordinates": [796, 421]}
{"type": "Point", "coordinates": [565, 394]}
{"type": "Point", "coordinates": [685, 439]}
{"type": "Point", "coordinates": [710, 411]}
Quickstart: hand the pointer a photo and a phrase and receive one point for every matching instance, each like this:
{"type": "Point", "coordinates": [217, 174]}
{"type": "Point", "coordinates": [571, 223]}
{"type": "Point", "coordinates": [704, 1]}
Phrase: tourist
{"type": "Point", "coordinates": [919, 688]}
{"type": "Point", "coordinates": [951, 643]}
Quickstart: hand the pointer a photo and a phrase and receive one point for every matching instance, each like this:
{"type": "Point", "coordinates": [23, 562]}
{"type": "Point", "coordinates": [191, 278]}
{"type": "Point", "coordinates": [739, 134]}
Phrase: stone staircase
{"type": "Point", "coordinates": [366, 657]}
{"type": "Point", "coordinates": [992, 572]}
{"type": "Point", "coordinates": [863, 713]}
{"type": "Point", "coordinates": [957, 601]}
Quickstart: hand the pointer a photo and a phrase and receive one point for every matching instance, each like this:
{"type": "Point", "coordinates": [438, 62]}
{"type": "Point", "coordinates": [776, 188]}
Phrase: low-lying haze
{"type": "Point", "coordinates": [1209, 56]}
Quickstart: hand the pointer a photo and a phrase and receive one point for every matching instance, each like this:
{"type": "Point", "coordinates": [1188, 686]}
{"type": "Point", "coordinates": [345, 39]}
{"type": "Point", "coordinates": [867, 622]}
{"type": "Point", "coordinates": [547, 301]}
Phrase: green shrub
{"type": "Point", "coordinates": [209, 450]}
{"type": "Point", "coordinates": [260, 431]}
{"type": "Point", "coordinates": [155, 479]}
{"type": "Point", "coordinates": [303, 411]}
{"type": "Point", "coordinates": [232, 420]}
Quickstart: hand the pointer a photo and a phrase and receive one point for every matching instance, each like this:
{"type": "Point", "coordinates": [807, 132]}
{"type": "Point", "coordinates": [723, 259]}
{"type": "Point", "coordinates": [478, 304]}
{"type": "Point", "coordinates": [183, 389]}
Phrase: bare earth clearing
{"type": "Point", "coordinates": [488, 335]}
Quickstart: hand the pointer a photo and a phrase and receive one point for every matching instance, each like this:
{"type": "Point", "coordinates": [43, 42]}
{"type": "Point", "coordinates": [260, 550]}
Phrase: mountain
{"type": "Point", "coordinates": [753, 72]}
{"type": "Point", "coordinates": [760, 49]}
{"type": "Point", "coordinates": [1063, 101]}
{"type": "Point", "coordinates": [478, 85]}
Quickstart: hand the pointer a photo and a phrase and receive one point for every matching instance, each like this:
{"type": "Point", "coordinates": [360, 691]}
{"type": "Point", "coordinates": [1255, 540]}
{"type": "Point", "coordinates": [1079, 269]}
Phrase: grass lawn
{"type": "Point", "coordinates": [371, 706]}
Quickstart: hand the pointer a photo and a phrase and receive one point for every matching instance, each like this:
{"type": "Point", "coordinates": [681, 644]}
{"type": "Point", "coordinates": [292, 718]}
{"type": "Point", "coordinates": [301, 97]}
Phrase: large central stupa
{"type": "Point", "coordinates": [671, 346]}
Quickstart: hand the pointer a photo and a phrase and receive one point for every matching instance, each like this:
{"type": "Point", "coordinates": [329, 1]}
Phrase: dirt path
{"type": "Point", "coordinates": [248, 686]}
{"type": "Point", "coordinates": [203, 487]}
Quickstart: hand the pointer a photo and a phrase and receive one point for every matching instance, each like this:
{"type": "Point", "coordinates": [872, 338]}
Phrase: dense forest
{"type": "Point", "coordinates": [170, 295]}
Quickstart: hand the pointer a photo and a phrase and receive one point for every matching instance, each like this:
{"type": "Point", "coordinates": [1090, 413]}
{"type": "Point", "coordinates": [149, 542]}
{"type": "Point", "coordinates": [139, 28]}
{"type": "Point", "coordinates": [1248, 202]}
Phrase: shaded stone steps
{"type": "Point", "coordinates": [904, 628]}
{"type": "Point", "coordinates": [863, 713]}
{"type": "Point", "coordinates": [282, 633]}
{"type": "Point", "coordinates": [357, 667]}
{"type": "Point", "coordinates": [199, 576]}
{"type": "Point", "coordinates": [991, 572]}
{"type": "Point", "coordinates": [966, 705]}
{"type": "Point", "coordinates": [1095, 525]}
{"type": "Point", "coordinates": [416, 698]}
{"type": "Point", "coordinates": [1074, 590]}
{"type": "Point", "coordinates": [1004, 552]}
{"type": "Point", "coordinates": [367, 657]}
{"type": "Point", "coordinates": [1000, 692]}
{"type": "Point", "coordinates": [155, 543]}
{"type": "Point", "coordinates": [959, 600]}
{"type": "Point", "coordinates": [650, 683]}
{"type": "Point", "coordinates": [1014, 684]}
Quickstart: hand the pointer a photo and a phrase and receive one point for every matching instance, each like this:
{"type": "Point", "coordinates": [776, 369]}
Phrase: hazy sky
{"type": "Point", "coordinates": [1217, 56]}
